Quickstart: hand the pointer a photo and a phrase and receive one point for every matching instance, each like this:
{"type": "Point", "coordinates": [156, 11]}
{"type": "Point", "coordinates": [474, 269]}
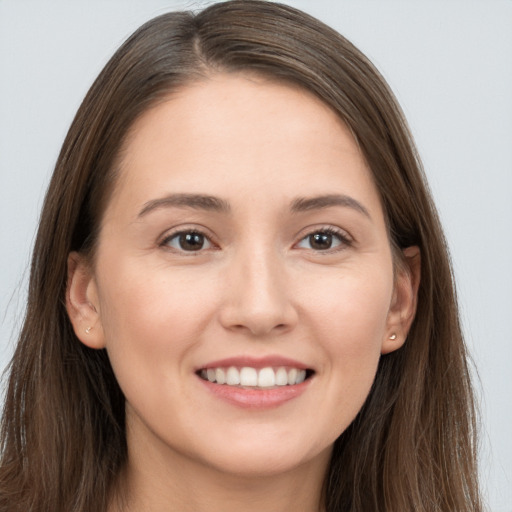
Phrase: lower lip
{"type": "Point", "coordinates": [256, 398]}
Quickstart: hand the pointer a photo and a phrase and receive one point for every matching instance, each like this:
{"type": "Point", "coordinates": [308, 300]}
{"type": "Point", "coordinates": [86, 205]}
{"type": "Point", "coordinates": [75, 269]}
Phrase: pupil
{"type": "Point", "coordinates": [320, 241]}
{"type": "Point", "coordinates": [191, 241]}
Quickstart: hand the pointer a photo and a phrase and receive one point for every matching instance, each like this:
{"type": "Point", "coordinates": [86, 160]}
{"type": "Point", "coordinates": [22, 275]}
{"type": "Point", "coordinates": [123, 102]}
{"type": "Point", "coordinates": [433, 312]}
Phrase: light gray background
{"type": "Point", "coordinates": [449, 63]}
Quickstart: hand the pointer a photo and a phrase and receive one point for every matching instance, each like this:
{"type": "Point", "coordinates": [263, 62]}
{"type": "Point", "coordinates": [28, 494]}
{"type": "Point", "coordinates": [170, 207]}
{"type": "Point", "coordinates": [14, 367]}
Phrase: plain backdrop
{"type": "Point", "coordinates": [450, 65]}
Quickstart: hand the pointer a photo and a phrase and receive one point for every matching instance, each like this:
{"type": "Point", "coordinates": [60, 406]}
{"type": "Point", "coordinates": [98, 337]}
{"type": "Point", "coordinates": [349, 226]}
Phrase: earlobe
{"type": "Point", "coordinates": [405, 298]}
{"type": "Point", "coordinates": [82, 302]}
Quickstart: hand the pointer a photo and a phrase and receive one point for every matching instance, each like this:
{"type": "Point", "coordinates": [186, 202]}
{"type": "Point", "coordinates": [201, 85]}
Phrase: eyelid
{"type": "Point", "coordinates": [345, 238]}
{"type": "Point", "coordinates": [178, 230]}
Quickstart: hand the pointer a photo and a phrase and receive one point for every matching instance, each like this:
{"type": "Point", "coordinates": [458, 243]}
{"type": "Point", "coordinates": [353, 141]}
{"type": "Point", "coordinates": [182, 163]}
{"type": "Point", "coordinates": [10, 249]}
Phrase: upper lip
{"type": "Point", "coordinates": [255, 362]}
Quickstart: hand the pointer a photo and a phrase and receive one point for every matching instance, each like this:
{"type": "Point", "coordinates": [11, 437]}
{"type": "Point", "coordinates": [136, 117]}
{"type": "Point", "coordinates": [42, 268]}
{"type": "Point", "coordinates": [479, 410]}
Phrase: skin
{"type": "Point", "coordinates": [257, 287]}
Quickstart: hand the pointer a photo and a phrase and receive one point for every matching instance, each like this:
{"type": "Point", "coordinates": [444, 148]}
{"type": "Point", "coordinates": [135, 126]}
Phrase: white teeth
{"type": "Point", "coordinates": [220, 376]}
{"type": "Point", "coordinates": [233, 377]}
{"type": "Point", "coordinates": [250, 377]}
{"type": "Point", "coordinates": [281, 377]}
{"type": "Point", "coordinates": [292, 376]}
{"type": "Point", "coordinates": [266, 378]}
{"type": "Point", "coordinates": [301, 376]}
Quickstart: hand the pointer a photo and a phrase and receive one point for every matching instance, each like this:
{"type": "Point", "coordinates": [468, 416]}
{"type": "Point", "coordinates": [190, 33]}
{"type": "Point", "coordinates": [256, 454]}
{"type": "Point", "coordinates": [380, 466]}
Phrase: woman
{"type": "Point", "coordinates": [240, 293]}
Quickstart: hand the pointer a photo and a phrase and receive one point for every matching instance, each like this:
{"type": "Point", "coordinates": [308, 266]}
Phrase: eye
{"type": "Point", "coordinates": [324, 240]}
{"type": "Point", "coordinates": [188, 241]}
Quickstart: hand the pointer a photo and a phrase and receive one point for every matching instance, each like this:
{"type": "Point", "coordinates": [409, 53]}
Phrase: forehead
{"type": "Point", "coordinates": [243, 131]}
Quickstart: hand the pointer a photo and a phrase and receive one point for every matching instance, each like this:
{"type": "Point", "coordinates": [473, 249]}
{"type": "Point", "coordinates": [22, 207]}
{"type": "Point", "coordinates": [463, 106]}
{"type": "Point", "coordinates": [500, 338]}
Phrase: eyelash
{"type": "Point", "coordinates": [166, 241]}
{"type": "Point", "coordinates": [344, 240]}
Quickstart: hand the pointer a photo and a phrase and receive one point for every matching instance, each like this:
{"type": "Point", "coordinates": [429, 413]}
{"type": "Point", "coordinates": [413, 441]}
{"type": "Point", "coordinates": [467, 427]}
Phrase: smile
{"type": "Point", "coordinates": [253, 378]}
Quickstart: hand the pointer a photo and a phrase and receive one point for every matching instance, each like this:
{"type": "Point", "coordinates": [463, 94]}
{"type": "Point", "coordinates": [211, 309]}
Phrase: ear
{"type": "Point", "coordinates": [82, 302]}
{"type": "Point", "coordinates": [404, 301]}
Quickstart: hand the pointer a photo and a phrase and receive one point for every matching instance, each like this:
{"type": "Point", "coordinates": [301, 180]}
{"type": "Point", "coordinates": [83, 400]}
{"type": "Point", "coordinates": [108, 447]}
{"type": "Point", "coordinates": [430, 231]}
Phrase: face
{"type": "Point", "coordinates": [243, 284]}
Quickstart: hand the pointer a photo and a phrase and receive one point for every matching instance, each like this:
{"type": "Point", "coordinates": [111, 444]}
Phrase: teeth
{"type": "Point", "coordinates": [292, 376]}
{"type": "Point", "coordinates": [220, 376]}
{"type": "Point", "coordinates": [266, 378]}
{"type": "Point", "coordinates": [250, 377]}
{"type": "Point", "coordinates": [233, 377]}
{"type": "Point", "coordinates": [281, 377]}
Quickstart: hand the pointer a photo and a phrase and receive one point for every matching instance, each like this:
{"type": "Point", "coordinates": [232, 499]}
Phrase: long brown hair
{"type": "Point", "coordinates": [412, 446]}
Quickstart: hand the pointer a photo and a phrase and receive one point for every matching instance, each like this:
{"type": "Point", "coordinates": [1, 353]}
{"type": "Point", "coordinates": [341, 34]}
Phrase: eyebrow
{"type": "Point", "coordinates": [212, 203]}
{"type": "Point", "coordinates": [194, 201]}
{"type": "Point", "coordinates": [303, 204]}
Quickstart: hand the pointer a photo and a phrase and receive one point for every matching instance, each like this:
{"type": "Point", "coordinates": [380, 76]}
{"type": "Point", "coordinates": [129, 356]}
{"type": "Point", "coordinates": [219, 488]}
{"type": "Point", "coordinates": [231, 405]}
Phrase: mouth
{"type": "Point", "coordinates": [248, 377]}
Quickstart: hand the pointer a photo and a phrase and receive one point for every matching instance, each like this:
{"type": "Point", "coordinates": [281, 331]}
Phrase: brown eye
{"type": "Point", "coordinates": [189, 241]}
{"type": "Point", "coordinates": [324, 240]}
{"type": "Point", "coordinates": [320, 241]}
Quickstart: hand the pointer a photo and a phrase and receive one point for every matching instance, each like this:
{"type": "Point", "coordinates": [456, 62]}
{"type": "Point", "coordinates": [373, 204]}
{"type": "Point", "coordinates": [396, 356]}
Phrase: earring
{"type": "Point", "coordinates": [393, 337]}
{"type": "Point", "coordinates": [88, 330]}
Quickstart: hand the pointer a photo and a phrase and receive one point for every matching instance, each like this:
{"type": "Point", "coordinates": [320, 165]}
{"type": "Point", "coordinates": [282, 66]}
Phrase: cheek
{"type": "Point", "coordinates": [350, 309]}
{"type": "Point", "coordinates": [154, 319]}
{"type": "Point", "coordinates": [138, 295]}
{"type": "Point", "coordinates": [151, 315]}
{"type": "Point", "coordinates": [348, 321]}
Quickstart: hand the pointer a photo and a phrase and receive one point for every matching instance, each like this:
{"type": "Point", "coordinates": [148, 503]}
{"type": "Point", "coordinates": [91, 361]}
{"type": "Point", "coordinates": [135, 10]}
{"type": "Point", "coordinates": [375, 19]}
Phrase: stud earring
{"type": "Point", "coordinates": [88, 330]}
{"type": "Point", "coordinates": [393, 337]}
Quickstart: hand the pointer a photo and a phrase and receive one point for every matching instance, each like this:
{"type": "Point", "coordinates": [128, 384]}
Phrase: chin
{"type": "Point", "coordinates": [263, 458]}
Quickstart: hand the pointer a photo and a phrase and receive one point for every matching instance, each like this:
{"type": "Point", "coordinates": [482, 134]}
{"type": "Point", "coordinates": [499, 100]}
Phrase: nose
{"type": "Point", "coordinates": [256, 297]}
